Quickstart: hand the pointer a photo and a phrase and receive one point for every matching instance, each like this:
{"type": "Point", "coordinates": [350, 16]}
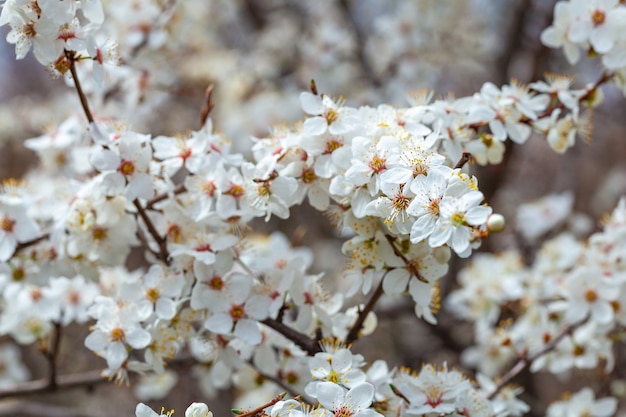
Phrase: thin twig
{"type": "Point", "coordinates": [163, 253]}
{"type": "Point", "coordinates": [411, 268]}
{"type": "Point", "coordinates": [465, 158]}
{"type": "Point", "coordinates": [525, 361]}
{"type": "Point", "coordinates": [276, 380]}
{"type": "Point", "coordinates": [311, 346]}
{"type": "Point", "coordinates": [21, 246]}
{"type": "Point", "coordinates": [253, 413]}
{"type": "Point", "coordinates": [71, 56]}
{"type": "Point", "coordinates": [179, 189]}
{"type": "Point", "coordinates": [40, 386]}
{"type": "Point", "coordinates": [353, 334]}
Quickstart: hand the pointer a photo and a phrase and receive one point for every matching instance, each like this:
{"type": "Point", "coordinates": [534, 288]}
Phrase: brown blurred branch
{"type": "Point", "coordinates": [179, 189]}
{"type": "Point", "coordinates": [163, 252]}
{"type": "Point", "coordinates": [525, 361]}
{"type": "Point", "coordinates": [71, 56]}
{"type": "Point", "coordinates": [358, 324]}
{"type": "Point", "coordinates": [40, 386]}
{"type": "Point", "coordinates": [258, 410]}
{"type": "Point", "coordinates": [368, 71]}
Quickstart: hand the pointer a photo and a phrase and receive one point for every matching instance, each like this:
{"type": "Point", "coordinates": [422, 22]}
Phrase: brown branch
{"type": "Point", "coordinates": [179, 189]}
{"type": "Point", "coordinates": [253, 413]}
{"type": "Point", "coordinates": [276, 380]}
{"type": "Point", "coordinates": [411, 268]}
{"type": "Point", "coordinates": [366, 67]}
{"type": "Point", "coordinates": [21, 246]}
{"type": "Point", "coordinates": [353, 334]}
{"type": "Point", "coordinates": [163, 253]}
{"type": "Point", "coordinates": [41, 386]}
{"type": "Point", "coordinates": [525, 361]}
{"type": "Point", "coordinates": [465, 158]}
{"type": "Point", "coordinates": [71, 56]}
{"type": "Point", "coordinates": [51, 352]}
{"type": "Point", "coordinates": [606, 76]}
{"type": "Point", "coordinates": [311, 346]}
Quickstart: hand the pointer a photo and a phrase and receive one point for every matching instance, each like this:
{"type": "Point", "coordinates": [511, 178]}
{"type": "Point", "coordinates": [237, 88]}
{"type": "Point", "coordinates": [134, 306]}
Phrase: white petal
{"type": "Point", "coordinates": [315, 126]}
{"type": "Point", "coordinates": [138, 338]}
{"type": "Point", "coordinates": [248, 331]}
{"type": "Point", "coordinates": [311, 104]}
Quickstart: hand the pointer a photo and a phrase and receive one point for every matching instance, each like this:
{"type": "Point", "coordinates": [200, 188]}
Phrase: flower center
{"type": "Point", "coordinates": [127, 168]}
{"type": "Point", "coordinates": [433, 207]}
{"type": "Point", "coordinates": [153, 295]}
{"type": "Point", "coordinates": [598, 17]}
{"type": "Point", "coordinates": [308, 176]}
{"type": "Point", "coordinates": [330, 116]}
{"type": "Point", "coordinates": [331, 146]}
{"type": "Point", "coordinates": [591, 296]}
{"type": "Point", "coordinates": [117, 334]}
{"type": "Point", "coordinates": [216, 283]}
{"type": "Point", "coordinates": [235, 190]}
{"type": "Point", "coordinates": [209, 188]}
{"type": "Point", "coordinates": [7, 224]}
{"type": "Point", "coordinates": [343, 412]}
{"type": "Point", "coordinates": [99, 233]}
{"type": "Point", "coordinates": [237, 312]}
{"type": "Point", "coordinates": [378, 164]}
{"type": "Point", "coordinates": [458, 219]}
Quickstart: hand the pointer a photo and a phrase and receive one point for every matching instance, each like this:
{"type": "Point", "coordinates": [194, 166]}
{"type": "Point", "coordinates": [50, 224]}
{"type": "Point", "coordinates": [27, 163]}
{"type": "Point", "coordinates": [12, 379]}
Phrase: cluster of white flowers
{"type": "Point", "coordinates": [596, 26]}
{"type": "Point", "coordinates": [392, 179]}
{"type": "Point", "coordinates": [571, 299]}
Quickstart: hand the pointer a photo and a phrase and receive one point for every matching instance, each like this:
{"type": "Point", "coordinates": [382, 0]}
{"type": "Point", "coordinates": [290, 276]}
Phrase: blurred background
{"type": "Point", "coordinates": [259, 55]}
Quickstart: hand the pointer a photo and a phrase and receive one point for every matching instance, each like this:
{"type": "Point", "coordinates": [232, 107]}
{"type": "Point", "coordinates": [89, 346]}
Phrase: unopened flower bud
{"type": "Point", "coordinates": [496, 223]}
{"type": "Point", "coordinates": [198, 410]}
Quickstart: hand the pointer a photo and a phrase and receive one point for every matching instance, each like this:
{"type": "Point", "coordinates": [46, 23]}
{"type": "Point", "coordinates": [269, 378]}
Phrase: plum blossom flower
{"type": "Point", "coordinates": [340, 367]}
{"type": "Point", "coordinates": [125, 167]}
{"type": "Point", "coordinates": [457, 215]}
{"type": "Point", "coordinates": [117, 327]}
{"type": "Point", "coordinates": [354, 403]}
{"type": "Point", "coordinates": [583, 403]}
{"type": "Point", "coordinates": [15, 227]}
{"type": "Point", "coordinates": [236, 309]}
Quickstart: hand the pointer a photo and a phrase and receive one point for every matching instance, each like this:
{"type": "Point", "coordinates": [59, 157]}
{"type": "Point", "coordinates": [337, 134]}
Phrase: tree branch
{"type": "Point", "coordinates": [259, 409]}
{"type": "Point", "coordinates": [163, 253]}
{"type": "Point", "coordinates": [525, 361]}
{"type": "Point", "coordinates": [311, 346]}
{"type": "Point", "coordinates": [40, 386]}
{"type": "Point", "coordinates": [179, 189]}
{"type": "Point", "coordinates": [358, 324]}
{"type": "Point", "coordinates": [71, 56]}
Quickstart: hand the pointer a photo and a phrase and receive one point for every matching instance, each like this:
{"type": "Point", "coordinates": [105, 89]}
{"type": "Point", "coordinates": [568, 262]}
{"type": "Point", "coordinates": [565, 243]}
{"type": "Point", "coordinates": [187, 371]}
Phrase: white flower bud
{"type": "Point", "coordinates": [496, 223]}
{"type": "Point", "coordinates": [198, 410]}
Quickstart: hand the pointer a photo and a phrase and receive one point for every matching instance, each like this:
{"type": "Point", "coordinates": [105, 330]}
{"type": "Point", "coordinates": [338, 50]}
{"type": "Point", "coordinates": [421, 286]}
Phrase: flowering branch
{"type": "Point", "coordinates": [258, 410]}
{"type": "Point", "coordinates": [525, 361]}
